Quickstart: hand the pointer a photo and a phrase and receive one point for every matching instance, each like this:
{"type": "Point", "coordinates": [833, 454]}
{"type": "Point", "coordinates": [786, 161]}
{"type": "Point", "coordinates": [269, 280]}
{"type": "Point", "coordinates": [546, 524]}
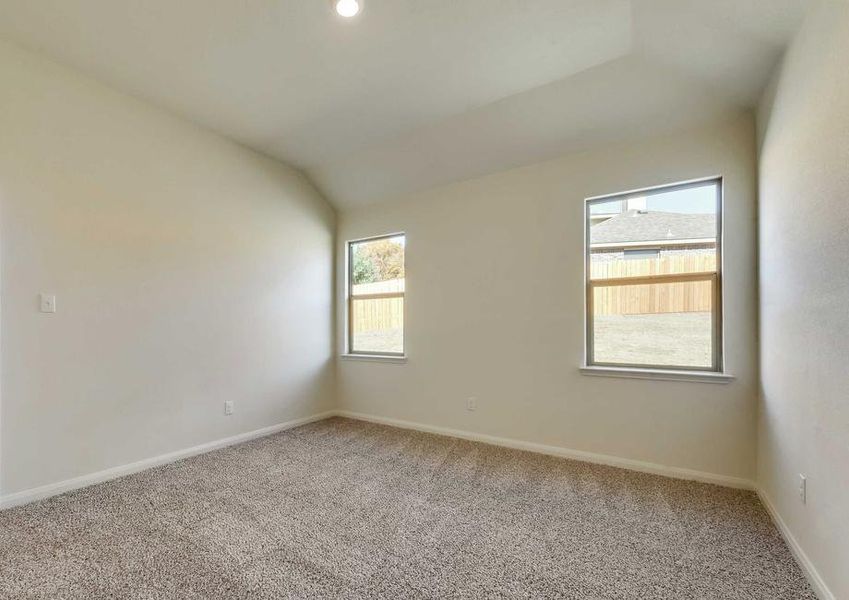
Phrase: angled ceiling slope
{"type": "Point", "coordinates": [413, 94]}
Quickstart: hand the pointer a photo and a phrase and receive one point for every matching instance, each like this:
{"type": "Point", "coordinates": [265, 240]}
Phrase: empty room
{"type": "Point", "coordinates": [424, 299]}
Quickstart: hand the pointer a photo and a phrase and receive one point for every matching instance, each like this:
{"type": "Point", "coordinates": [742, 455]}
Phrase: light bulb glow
{"type": "Point", "coordinates": [347, 8]}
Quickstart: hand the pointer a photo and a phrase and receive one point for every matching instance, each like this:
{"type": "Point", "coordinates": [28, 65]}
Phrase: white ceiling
{"type": "Point", "coordinates": [415, 93]}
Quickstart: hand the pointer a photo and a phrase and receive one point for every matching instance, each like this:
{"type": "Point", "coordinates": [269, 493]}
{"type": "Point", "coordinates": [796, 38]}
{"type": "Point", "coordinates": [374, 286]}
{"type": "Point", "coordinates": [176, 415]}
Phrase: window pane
{"type": "Point", "coordinates": [642, 254]}
{"type": "Point", "coordinates": [696, 200]}
{"type": "Point", "coordinates": [658, 233]}
{"type": "Point", "coordinates": [606, 207]}
{"type": "Point", "coordinates": [654, 324]}
{"type": "Point", "coordinates": [376, 270]}
{"type": "Point", "coordinates": [376, 261]}
{"type": "Point", "coordinates": [377, 325]}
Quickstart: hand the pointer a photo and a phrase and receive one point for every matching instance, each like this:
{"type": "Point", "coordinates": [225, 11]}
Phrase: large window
{"type": "Point", "coordinates": [376, 296]}
{"type": "Point", "coordinates": [653, 284]}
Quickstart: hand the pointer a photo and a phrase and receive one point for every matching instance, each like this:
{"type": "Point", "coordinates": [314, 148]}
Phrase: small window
{"type": "Point", "coordinates": [642, 253]}
{"type": "Point", "coordinates": [376, 296]}
{"type": "Point", "coordinates": [653, 278]}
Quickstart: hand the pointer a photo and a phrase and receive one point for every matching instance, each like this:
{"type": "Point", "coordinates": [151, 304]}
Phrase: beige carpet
{"type": "Point", "coordinates": [343, 509]}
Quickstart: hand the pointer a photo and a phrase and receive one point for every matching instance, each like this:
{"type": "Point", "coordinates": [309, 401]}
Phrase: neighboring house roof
{"type": "Point", "coordinates": [648, 226]}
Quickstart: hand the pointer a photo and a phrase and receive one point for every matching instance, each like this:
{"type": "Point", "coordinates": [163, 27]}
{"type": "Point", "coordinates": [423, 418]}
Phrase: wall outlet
{"type": "Point", "coordinates": [47, 302]}
{"type": "Point", "coordinates": [803, 488]}
{"type": "Point", "coordinates": [228, 407]}
{"type": "Point", "coordinates": [471, 403]}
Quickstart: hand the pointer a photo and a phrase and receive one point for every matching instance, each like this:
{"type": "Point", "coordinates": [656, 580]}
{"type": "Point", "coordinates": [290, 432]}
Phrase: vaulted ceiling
{"type": "Point", "coordinates": [416, 93]}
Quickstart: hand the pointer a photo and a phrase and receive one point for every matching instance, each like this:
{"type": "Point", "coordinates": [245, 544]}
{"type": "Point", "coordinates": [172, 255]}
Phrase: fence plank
{"type": "Point", "coordinates": [388, 313]}
{"type": "Point", "coordinates": [653, 298]}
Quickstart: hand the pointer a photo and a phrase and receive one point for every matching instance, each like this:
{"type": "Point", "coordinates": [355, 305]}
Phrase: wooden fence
{"type": "Point", "coordinates": [676, 263]}
{"type": "Point", "coordinates": [377, 314]}
{"type": "Point", "coordinates": [652, 298]}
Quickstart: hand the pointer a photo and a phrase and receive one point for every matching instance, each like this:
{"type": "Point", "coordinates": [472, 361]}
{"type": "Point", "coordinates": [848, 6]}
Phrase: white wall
{"type": "Point", "coordinates": [188, 271]}
{"type": "Point", "coordinates": [804, 283]}
{"type": "Point", "coordinates": [495, 310]}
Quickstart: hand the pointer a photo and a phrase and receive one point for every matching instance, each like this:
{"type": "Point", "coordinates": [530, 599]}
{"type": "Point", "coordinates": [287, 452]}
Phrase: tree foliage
{"type": "Point", "coordinates": [379, 260]}
{"type": "Point", "coordinates": [363, 269]}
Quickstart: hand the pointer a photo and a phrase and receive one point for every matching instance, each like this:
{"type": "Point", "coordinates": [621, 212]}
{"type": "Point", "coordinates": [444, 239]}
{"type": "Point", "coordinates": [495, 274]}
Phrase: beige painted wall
{"type": "Point", "coordinates": [804, 282]}
{"type": "Point", "coordinates": [188, 271]}
{"type": "Point", "coordinates": [495, 310]}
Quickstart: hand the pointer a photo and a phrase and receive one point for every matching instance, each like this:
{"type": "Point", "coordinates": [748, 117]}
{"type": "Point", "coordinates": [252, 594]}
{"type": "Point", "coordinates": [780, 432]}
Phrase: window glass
{"type": "Point", "coordinates": [659, 324]}
{"type": "Point", "coordinates": [378, 325]}
{"type": "Point", "coordinates": [610, 207]}
{"type": "Point", "coordinates": [376, 296]}
{"type": "Point", "coordinates": [642, 254]}
{"type": "Point", "coordinates": [653, 279]}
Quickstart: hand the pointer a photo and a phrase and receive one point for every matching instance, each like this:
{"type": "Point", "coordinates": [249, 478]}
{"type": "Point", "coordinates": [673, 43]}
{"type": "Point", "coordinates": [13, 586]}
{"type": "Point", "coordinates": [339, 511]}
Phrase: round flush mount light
{"type": "Point", "coordinates": [347, 8]}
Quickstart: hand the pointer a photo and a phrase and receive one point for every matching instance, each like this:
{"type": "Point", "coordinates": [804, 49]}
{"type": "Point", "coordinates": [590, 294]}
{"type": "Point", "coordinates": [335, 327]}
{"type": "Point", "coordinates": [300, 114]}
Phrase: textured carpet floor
{"type": "Point", "coordinates": [343, 509]}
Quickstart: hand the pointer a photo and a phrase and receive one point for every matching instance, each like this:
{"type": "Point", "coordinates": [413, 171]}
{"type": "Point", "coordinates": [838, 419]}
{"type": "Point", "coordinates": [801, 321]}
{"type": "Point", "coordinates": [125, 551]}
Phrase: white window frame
{"type": "Point", "coordinates": [715, 372]}
{"type": "Point", "coordinates": [350, 297]}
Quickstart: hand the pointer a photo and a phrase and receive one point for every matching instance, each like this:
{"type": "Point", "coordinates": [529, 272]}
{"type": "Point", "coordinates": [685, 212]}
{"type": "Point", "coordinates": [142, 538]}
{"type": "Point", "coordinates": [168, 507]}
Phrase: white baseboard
{"type": "Point", "coordinates": [591, 457]}
{"type": "Point", "coordinates": [814, 578]}
{"type": "Point", "coordinates": [61, 487]}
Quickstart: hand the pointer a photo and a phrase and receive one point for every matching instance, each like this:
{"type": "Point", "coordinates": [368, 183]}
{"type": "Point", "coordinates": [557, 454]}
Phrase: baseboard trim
{"type": "Point", "coordinates": [61, 487]}
{"type": "Point", "coordinates": [591, 457]}
{"type": "Point", "coordinates": [814, 577]}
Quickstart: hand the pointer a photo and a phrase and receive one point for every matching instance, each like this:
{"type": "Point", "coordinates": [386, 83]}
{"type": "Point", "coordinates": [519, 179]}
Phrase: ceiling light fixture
{"type": "Point", "coordinates": [348, 8]}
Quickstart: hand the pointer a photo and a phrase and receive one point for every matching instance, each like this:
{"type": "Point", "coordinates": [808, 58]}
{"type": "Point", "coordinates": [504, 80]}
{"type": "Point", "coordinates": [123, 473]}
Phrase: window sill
{"type": "Point", "coordinates": [384, 358]}
{"type": "Point", "coordinates": [658, 374]}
